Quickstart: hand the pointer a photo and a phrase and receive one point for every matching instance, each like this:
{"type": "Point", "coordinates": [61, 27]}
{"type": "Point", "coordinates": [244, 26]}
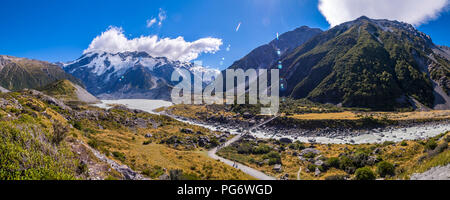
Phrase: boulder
{"type": "Point", "coordinates": [286, 140]}
{"type": "Point", "coordinates": [309, 150]}
{"type": "Point", "coordinates": [187, 130]}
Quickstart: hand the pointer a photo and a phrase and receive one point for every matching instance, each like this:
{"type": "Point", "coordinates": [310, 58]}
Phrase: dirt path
{"type": "Point", "coordinates": [250, 171]}
{"type": "Point", "coordinates": [298, 174]}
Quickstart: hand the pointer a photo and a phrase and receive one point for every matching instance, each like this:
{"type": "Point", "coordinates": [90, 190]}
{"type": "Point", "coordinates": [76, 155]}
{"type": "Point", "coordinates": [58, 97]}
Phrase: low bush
{"type": "Point", "coordinates": [385, 169]}
{"type": "Point", "coordinates": [364, 173]}
{"type": "Point", "coordinates": [333, 162]}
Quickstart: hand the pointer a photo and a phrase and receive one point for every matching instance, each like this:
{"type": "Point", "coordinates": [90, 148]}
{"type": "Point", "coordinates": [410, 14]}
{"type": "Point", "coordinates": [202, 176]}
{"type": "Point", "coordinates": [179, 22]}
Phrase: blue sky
{"type": "Point", "coordinates": [55, 30]}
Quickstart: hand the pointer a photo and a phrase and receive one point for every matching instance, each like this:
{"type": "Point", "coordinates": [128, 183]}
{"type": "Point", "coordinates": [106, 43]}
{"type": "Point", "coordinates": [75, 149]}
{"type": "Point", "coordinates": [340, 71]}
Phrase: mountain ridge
{"type": "Point", "coordinates": [20, 73]}
{"type": "Point", "coordinates": [367, 63]}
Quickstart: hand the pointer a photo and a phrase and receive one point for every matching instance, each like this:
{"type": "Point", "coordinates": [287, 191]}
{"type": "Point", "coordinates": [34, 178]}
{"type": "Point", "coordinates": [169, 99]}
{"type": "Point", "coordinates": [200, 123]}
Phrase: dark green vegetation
{"type": "Point", "coordinates": [366, 63]}
{"type": "Point", "coordinates": [20, 73]}
{"type": "Point", "coordinates": [389, 160]}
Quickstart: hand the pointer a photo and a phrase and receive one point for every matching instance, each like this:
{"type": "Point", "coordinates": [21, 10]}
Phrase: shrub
{"type": "Point", "coordinates": [147, 142]}
{"type": "Point", "coordinates": [59, 133]}
{"type": "Point", "coordinates": [364, 173]}
{"type": "Point", "coordinates": [385, 168]}
{"type": "Point", "coordinates": [261, 149]}
{"type": "Point", "coordinates": [441, 147]}
{"type": "Point", "coordinates": [346, 164]}
{"type": "Point", "coordinates": [404, 143]}
{"type": "Point", "coordinates": [119, 155]}
{"type": "Point", "coordinates": [312, 167]}
{"type": "Point", "coordinates": [309, 155]}
{"type": "Point", "coordinates": [244, 149]}
{"type": "Point", "coordinates": [179, 175]}
{"type": "Point", "coordinates": [297, 146]}
{"type": "Point", "coordinates": [274, 158]}
{"type": "Point", "coordinates": [77, 125]}
{"type": "Point", "coordinates": [93, 143]}
{"type": "Point", "coordinates": [153, 172]}
{"type": "Point", "coordinates": [333, 162]}
{"type": "Point", "coordinates": [387, 143]}
{"type": "Point", "coordinates": [430, 145]}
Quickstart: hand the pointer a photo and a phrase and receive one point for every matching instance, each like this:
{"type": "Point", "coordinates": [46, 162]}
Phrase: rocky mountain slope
{"type": "Point", "coordinates": [131, 75]}
{"type": "Point", "coordinates": [19, 73]}
{"type": "Point", "coordinates": [369, 63]}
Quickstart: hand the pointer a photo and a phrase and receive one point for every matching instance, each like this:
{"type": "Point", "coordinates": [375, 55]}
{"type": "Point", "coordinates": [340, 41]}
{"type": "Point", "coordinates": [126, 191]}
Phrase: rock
{"type": "Point", "coordinates": [222, 139]}
{"type": "Point", "coordinates": [277, 168]}
{"type": "Point", "coordinates": [247, 115]}
{"type": "Point", "coordinates": [376, 151]}
{"type": "Point", "coordinates": [317, 172]}
{"type": "Point", "coordinates": [164, 177]}
{"type": "Point", "coordinates": [319, 163]}
{"type": "Point", "coordinates": [187, 130]}
{"type": "Point", "coordinates": [286, 140]}
{"type": "Point", "coordinates": [309, 150]}
{"type": "Point", "coordinates": [148, 135]}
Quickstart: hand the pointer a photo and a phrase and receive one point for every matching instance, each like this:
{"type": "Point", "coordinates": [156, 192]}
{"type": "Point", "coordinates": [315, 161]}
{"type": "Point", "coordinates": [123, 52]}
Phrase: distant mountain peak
{"type": "Point", "coordinates": [130, 74]}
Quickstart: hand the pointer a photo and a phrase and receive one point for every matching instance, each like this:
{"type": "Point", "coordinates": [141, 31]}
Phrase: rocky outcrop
{"type": "Point", "coordinates": [435, 173]}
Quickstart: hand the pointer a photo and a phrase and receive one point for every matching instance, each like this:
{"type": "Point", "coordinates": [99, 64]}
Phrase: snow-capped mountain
{"type": "Point", "coordinates": [130, 74]}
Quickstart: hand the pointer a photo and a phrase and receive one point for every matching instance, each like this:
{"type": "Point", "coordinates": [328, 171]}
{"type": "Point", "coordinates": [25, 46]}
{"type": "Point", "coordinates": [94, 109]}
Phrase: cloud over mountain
{"type": "Point", "coordinates": [114, 40]}
{"type": "Point", "coordinates": [415, 12]}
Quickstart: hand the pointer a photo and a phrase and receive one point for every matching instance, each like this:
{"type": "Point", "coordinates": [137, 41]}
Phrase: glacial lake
{"type": "Point", "coordinates": [138, 104]}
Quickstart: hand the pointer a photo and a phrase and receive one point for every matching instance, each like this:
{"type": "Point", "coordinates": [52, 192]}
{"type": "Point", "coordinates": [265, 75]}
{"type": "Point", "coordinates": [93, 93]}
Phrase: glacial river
{"type": "Point", "coordinates": [394, 135]}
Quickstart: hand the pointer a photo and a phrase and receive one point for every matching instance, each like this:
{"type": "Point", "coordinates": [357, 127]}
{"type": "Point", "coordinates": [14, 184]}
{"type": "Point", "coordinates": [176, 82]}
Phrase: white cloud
{"type": "Point", "coordinates": [415, 12]}
{"type": "Point", "coordinates": [113, 40]}
{"type": "Point", "coordinates": [150, 22]}
{"type": "Point", "coordinates": [162, 16]}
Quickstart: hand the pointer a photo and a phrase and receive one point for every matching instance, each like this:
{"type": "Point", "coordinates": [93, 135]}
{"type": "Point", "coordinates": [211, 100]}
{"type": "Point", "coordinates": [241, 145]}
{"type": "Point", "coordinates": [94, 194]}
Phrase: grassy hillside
{"type": "Point", "coordinates": [44, 139]}
{"type": "Point", "coordinates": [19, 73]}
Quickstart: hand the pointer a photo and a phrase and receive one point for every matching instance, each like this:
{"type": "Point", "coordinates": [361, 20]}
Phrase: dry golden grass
{"type": "Point", "coordinates": [141, 157]}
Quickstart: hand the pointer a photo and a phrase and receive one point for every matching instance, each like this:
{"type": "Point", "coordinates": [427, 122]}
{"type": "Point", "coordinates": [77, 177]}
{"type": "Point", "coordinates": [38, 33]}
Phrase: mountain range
{"type": "Point", "coordinates": [132, 75]}
{"type": "Point", "coordinates": [368, 63]}
{"type": "Point", "coordinates": [379, 64]}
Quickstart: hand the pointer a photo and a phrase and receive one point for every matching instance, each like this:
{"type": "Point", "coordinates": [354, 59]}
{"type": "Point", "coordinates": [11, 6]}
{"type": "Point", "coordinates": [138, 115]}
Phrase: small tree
{"type": "Point", "coordinates": [364, 173]}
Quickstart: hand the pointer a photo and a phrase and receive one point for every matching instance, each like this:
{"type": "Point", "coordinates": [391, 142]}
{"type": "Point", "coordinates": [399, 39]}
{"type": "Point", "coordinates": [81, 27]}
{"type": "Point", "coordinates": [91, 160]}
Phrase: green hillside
{"type": "Point", "coordinates": [367, 63]}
